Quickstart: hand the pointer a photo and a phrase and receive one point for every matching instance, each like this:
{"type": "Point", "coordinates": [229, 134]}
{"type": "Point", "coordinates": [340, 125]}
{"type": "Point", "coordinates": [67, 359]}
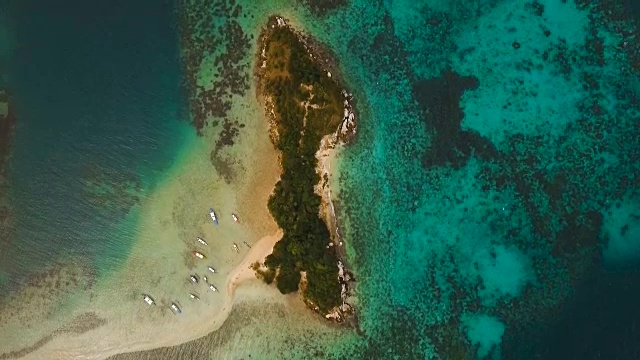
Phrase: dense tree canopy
{"type": "Point", "coordinates": [292, 78]}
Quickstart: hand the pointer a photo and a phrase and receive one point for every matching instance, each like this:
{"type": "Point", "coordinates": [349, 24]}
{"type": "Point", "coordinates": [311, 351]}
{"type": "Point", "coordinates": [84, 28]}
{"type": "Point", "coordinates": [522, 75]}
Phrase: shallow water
{"type": "Point", "coordinates": [100, 119]}
{"type": "Point", "coordinates": [505, 191]}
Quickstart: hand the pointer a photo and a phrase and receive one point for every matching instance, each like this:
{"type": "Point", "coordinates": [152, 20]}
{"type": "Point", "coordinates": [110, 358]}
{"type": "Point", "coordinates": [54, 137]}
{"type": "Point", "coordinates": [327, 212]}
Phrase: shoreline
{"type": "Point", "coordinates": [161, 260]}
{"type": "Point", "coordinates": [242, 275]}
{"type": "Point", "coordinates": [124, 331]}
{"type": "Point", "coordinates": [329, 149]}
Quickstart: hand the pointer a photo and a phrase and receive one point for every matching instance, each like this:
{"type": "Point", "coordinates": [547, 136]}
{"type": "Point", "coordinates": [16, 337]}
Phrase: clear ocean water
{"type": "Point", "coordinates": [96, 88]}
{"type": "Point", "coordinates": [489, 203]}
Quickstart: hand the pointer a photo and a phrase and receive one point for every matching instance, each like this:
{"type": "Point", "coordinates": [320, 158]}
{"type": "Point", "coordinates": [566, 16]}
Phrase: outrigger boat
{"type": "Point", "coordinates": [235, 218]}
{"type": "Point", "coordinates": [193, 296]}
{"type": "Point", "coordinates": [236, 248]}
{"type": "Point", "coordinates": [213, 288]}
{"type": "Point", "coordinates": [148, 299]}
{"type": "Point", "coordinates": [197, 254]}
{"type": "Point", "coordinates": [176, 310]}
{"type": "Point", "coordinates": [213, 216]}
{"type": "Point", "coordinates": [193, 279]}
{"type": "Point", "coordinates": [201, 241]}
{"type": "Point", "coordinates": [211, 269]}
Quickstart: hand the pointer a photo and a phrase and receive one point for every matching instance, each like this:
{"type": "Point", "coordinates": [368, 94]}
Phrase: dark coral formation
{"type": "Point", "coordinates": [439, 99]}
{"type": "Point", "coordinates": [80, 324]}
{"type": "Point", "coordinates": [562, 184]}
{"type": "Point", "coordinates": [617, 17]}
{"type": "Point", "coordinates": [399, 329]}
{"type": "Point", "coordinates": [558, 185]}
{"type": "Point", "coordinates": [213, 43]}
{"type": "Point", "coordinates": [109, 189]}
{"type": "Point", "coordinates": [242, 320]}
{"type": "Point", "coordinates": [25, 351]}
{"type": "Point", "coordinates": [323, 7]}
{"type": "Point", "coordinates": [535, 7]}
{"type": "Point", "coordinates": [35, 299]}
{"type": "Point", "coordinates": [226, 167]}
{"type": "Point", "coordinates": [214, 46]}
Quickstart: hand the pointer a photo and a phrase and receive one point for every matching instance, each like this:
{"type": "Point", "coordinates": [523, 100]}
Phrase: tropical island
{"type": "Point", "coordinates": [306, 104]}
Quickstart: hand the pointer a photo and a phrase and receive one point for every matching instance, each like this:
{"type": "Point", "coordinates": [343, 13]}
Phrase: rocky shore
{"type": "Point", "coordinates": [329, 148]}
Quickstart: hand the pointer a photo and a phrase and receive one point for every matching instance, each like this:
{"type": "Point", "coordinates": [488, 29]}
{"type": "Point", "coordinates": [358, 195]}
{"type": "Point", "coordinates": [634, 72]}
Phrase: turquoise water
{"type": "Point", "coordinates": [489, 203]}
{"type": "Point", "coordinates": [502, 138]}
{"type": "Point", "coordinates": [96, 89]}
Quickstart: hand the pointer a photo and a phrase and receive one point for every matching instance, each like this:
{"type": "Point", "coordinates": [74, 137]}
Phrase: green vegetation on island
{"type": "Point", "coordinates": [307, 105]}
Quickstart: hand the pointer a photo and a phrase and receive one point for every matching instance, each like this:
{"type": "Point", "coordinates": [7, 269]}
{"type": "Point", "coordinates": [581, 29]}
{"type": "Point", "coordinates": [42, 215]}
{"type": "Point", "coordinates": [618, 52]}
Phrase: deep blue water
{"type": "Point", "coordinates": [516, 239]}
{"type": "Point", "coordinates": [602, 321]}
{"type": "Point", "coordinates": [96, 89]}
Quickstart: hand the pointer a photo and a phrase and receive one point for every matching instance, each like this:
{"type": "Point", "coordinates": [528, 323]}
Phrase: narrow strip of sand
{"type": "Point", "coordinates": [91, 345]}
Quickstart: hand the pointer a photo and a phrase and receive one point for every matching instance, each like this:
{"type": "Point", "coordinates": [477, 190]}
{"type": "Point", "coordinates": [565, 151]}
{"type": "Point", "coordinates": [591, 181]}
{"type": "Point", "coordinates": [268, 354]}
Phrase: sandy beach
{"type": "Point", "coordinates": [95, 317]}
{"type": "Point", "coordinates": [101, 343]}
{"type": "Point", "coordinates": [90, 317]}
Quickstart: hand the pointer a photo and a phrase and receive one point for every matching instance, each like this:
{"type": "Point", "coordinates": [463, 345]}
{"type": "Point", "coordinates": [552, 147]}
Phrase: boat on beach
{"type": "Point", "coordinates": [176, 310]}
{"type": "Point", "coordinates": [236, 248]}
{"type": "Point", "coordinates": [211, 269]}
{"type": "Point", "coordinates": [235, 217]}
{"type": "Point", "coordinates": [193, 279]}
{"type": "Point", "coordinates": [201, 241]}
{"type": "Point", "coordinates": [148, 299]}
{"type": "Point", "coordinates": [194, 296]}
{"type": "Point", "coordinates": [198, 254]}
{"type": "Point", "coordinates": [213, 288]}
{"type": "Point", "coordinates": [213, 216]}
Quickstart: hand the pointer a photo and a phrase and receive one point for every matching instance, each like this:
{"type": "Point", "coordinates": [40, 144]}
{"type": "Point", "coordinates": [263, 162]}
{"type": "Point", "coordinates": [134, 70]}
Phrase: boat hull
{"type": "Point", "coordinates": [214, 218]}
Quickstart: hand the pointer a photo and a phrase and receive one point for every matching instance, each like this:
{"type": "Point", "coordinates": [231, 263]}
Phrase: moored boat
{"type": "Point", "coordinates": [211, 269]}
{"type": "Point", "coordinates": [193, 296]}
{"type": "Point", "coordinates": [213, 216]}
{"type": "Point", "coordinates": [148, 299]}
{"type": "Point", "coordinates": [235, 217]}
{"type": "Point", "coordinates": [236, 248]}
{"type": "Point", "coordinates": [176, 310]}
{"type": "Point", "coordinates": [213, 288]}
{"type": "Point", "coordinates": [198, 254]}
{"type": "Point", "coordinates": [193, 279]}
{"type": "Point", "coordinates": [201, 241]}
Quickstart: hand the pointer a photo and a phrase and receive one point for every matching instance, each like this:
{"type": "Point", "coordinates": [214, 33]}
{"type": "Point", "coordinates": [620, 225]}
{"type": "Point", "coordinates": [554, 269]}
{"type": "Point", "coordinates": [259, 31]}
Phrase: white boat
{"type": "Point", "coordinates": [193, 279]}
{"type": "Point", "coordinates": [148, 299]}
{"type": "Point", "coordinates": [212, 269]}
{"type": "Point", "coordinates": [235, 218]}
{"type": "Point", "coordinates": [176, 310]}
{"type": "Point", "coordinates": [205, 279]}
{"type": "Point", "coordinates": [213, 288]}
{"type": "Point", "coordinates": [236, 248]}
{"type": "Point", "coordinates": [201, 241]}
{"type": "Point", "coordinates": [213, 216]}
{"type": "Point", "coordinates": [197, 254]}
{"type": "Point", "coordinates": [193, 296]}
